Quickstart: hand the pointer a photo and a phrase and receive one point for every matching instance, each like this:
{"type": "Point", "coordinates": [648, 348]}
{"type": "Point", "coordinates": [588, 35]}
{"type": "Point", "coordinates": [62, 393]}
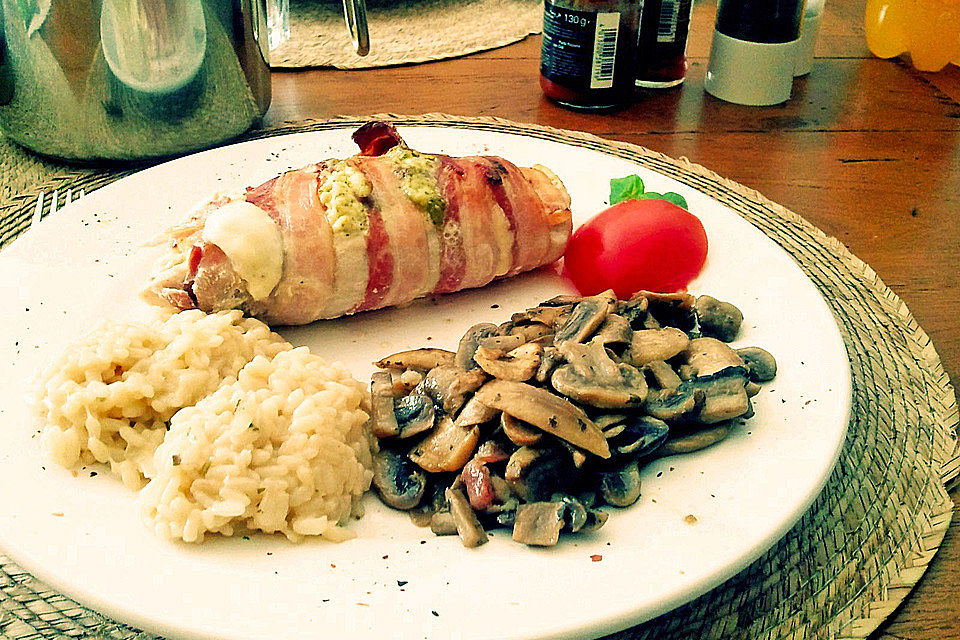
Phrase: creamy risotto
{"type": "Point", "coordinates": [284, 448]}
{"type": "Point", "coordinates": [109, 397]}
{"type": "Point", "coordinates": [225, 423]}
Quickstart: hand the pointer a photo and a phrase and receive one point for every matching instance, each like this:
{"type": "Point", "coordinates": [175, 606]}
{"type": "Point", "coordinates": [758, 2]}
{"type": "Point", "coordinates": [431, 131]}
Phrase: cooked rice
{"type": "Point", "coordinates": [109, 398]}
{"type": "Point", "coordinates": [284, 448]}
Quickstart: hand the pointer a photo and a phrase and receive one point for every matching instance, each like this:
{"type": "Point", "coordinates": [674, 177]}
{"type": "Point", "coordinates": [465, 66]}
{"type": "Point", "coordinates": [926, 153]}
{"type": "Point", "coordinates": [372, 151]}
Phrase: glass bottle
{"type": "Point", "coordinates": [587, 53]}
{"type": "Point", "coordinates": [662, 43]}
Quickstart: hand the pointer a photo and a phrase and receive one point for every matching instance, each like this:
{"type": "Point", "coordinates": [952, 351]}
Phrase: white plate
{"type": "Point", "coordinates": [82, 535]}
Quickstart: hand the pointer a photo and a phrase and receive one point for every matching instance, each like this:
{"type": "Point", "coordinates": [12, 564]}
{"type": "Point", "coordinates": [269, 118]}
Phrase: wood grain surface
{"type": "Point", "coordinates": [866, 149]}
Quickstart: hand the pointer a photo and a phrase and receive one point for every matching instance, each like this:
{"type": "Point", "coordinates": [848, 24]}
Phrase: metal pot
{"type": "Point", "coordinates": [129, 79]}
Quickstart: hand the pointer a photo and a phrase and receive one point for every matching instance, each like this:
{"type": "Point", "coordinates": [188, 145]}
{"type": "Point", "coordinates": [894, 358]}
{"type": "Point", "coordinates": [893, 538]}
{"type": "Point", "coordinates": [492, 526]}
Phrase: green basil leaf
{"type": "Point", "coordinates": [675, 198]}
{"type": "Point", "coordinates": [625, 188]}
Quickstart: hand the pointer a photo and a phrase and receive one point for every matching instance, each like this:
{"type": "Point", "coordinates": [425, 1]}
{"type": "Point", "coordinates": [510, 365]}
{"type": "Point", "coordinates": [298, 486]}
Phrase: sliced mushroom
{"type": "Point", "coordinates": [443, 524]}
{"type": "Point", "coordinates": [561, 301]}
{"type": "Point", "coordinates": [595, 520]}
{"type": "Point", "coordinates": [574, 512]}
{"type": "Point", "coordinates": [621, 487]}
{"type": "Point", "coordinates": [662, 374]}
{"type": "Point", "coordinates": [400, 483]}
{"type": "Point", "coordinates": [607, 421]}
{"type": "Point", "coordinates": [518, 364]}
{"type": "Point", "coordinates": [548, 471]}
{"type": "Point", "coordinates": [634, 310]}
{"type": "Point", "coordinates": [577, 456]}
{"type": "Point", "coordinates": [421, 516]}
{"type": "Point", "coordinates": [469, 343]}
{"type": "Point", "coordinates": [641, 436]}
{"type": "Point", "coordinates": [549, 359]}
{"type": "Point", "coordinates": [383, 421]}
{"type": "Point", "coordinates": [709, 356]}
{"type": "Point", "coordinates": [672, 309]}
{"type": "Point", "coordinates": [504, 493]}
{"type": "Point", "coordinates": [404, 380]}
{"type": "Point", "coordinates": [519, 463]}
{"type": "Point", "coordinates": [614, 330]}
{"type": "Point", "coordinates": [613, 430]}
{"type": "Point", "coordinates": [468, 527]}
{"type": "Point", "coordinates": [417, 359]}
{"type": "Point", "coordinates": [535, 331]}
{"type": "Point", "coordinates": [447, 448]}
{"type": "Point", "coordinates": [501, 343]}
{"type": "Point", "coordinates": [680, 404]}
{"type": "Point", "coordinates": [589, 359]}
{"type": "Point", "coordinates": [475, 412]}
{"type": "Point", "coordinates": [491, 451]}
{"type": "Point", "coordinates": [435, 498]}
{"type": "Point", "coordinates": [650, 345]}
{"type": "Point", "coordinates": [415, 414]}
{"type": "Point", "coordinates": [552, 316]}
{"type": "Point", "coordinates": [718, 319]}
{"type": "Point", "coordinates": [587, 316]}
{"type": "Point", "coordinates": [761, 365]}
{"type": "Point", "coordinates": [587, 497]}
{"type": "Point", "coordinates": [686, 372]}
{"type": "Point", "coordinates": [449, 385]}
{"type": "Point", "coordinates": [538, 523]}
{"type": "Point", "coordinates": [650, 322]}
{"type": "Point", "coordinates": [593, 378]}
{"type": "Point", "coordinates": [725, 396]}
{"type": "Point", "coordinates": [546, 411]}
{"type": "Point", "coordinates": [676, 299]}
{"type": "Point", "coordinates": [690, 442]}
{"type": "Point", "coordinates": [519, 433]}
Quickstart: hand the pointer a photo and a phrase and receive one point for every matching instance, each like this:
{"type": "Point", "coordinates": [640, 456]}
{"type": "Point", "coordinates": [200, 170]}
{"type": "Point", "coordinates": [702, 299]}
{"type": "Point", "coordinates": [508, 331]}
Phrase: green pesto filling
{"type": "Point", "coordinates": [418, 181]}
{"type": "Point", "coordinates": [342, 193]}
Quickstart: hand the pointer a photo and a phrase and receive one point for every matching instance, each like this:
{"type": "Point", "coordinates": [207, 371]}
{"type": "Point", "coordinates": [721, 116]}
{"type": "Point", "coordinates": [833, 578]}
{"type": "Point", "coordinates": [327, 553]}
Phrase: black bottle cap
{"type": "Point", "coordinates": [766, 21]}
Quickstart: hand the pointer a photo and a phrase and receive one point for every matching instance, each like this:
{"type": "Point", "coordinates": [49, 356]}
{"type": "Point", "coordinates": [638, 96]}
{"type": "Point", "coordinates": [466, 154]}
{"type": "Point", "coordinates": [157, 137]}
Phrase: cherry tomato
{"type": "Point", "coordinates": [650, 245]}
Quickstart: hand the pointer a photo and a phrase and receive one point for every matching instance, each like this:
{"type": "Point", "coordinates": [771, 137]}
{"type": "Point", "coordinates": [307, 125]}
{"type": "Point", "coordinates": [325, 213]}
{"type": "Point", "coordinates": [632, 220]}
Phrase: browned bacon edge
{"type": "Point", "coordinates": [376, 138]}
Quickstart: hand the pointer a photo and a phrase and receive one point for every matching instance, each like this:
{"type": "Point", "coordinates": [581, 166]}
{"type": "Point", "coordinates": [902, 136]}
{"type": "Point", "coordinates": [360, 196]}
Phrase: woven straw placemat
{"type": "Point", "coordinates": [852, 557]}
{"type": "Point", "coordinates": [404, 31]}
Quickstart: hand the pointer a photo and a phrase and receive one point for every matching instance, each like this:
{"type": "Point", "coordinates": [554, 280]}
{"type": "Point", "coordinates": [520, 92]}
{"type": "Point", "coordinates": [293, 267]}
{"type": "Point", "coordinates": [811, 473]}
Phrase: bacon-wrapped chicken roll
{"type": "Point", "coordinates": [381, 228]}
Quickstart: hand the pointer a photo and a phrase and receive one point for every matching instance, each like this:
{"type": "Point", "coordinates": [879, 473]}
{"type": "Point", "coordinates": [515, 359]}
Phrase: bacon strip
{"type": "Point", "coordinates": [264, 197]}
{"type": "Point", "coordinates": [525, 211]}
{"type": "Point", "coordinates": [453, 260]}
{"type": "Point", "coordinates": [555, 206]}
{"type": "Point", "coordinates": [309, 256]}
{"type": "Point", "coordinates": [495, 175]}
{"type": "Point", "coordinates": [380, 261]}
{"type": "Point", "coordinates": [487, 239]}
{"type": "Point", "coordinates": [407, 228]}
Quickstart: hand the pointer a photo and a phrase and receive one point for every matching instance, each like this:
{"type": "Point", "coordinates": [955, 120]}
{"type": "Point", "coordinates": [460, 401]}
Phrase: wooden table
{"type": "Point", "coordinates": [867, 149]}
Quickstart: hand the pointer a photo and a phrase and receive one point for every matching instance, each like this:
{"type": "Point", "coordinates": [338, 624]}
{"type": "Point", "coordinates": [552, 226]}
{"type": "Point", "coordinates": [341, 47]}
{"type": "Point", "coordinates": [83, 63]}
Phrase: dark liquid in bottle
{"type": "Point", "coordinates": [587, 54]}
{"type": "Point", "coordinates": [662, 43]}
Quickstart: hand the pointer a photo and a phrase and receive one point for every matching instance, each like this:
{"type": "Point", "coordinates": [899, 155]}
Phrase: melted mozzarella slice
{"type": "Point", "coordinates": [251, 241]}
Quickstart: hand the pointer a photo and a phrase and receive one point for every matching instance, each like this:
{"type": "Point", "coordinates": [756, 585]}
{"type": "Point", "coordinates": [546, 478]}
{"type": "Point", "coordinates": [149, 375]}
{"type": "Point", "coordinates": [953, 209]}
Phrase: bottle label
{"type": "Point", "coordinates": [579, 47]}
{"type": "Point", "coordinates": [671, 22]}
{"type": "Point", "coordinates": [669, 15]}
